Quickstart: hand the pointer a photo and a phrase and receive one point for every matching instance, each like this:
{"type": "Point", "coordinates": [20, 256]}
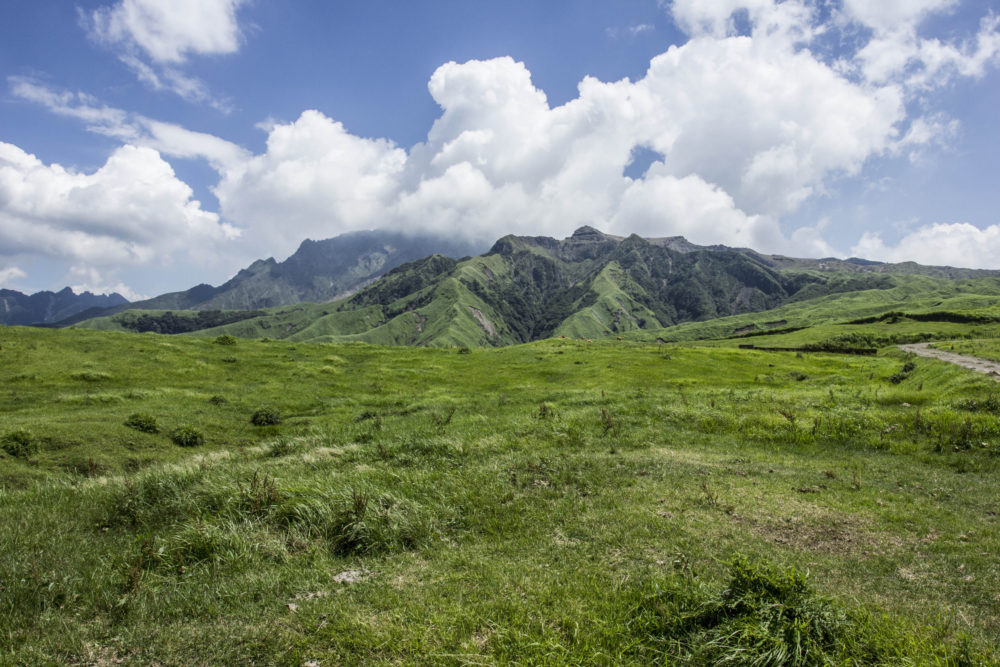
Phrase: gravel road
{"type": "Point", "coordinates": [991, 368]}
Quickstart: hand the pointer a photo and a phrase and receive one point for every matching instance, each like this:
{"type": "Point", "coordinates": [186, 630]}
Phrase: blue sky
{"type": "Point", "coordinates": [148, 145]}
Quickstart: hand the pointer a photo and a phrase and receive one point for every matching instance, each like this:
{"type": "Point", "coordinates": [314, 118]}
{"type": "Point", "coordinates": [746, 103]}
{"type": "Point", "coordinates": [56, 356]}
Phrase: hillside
{"type": "Point", "coordinates": [319, 271]}
{"type": "Point", "coordinates": [592, 285]}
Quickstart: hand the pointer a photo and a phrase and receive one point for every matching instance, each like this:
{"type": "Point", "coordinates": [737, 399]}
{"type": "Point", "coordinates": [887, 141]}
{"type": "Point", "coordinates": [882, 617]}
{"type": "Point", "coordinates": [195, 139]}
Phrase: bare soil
{"type": "Point", "coordinates": [991, 368]}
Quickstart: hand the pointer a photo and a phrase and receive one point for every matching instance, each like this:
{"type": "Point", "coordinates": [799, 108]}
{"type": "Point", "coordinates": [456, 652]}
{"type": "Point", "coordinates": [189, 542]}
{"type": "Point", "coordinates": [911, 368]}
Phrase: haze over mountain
{"type": "Point", "coordinates": [590, 284]}
{"type": "Point", "coordinates": [49, 307]}
{"type": "Point", "coordinates": [319, 271]}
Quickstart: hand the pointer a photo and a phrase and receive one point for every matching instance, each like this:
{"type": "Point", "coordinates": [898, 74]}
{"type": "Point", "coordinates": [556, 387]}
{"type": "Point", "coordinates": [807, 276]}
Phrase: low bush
{"type": "Point", "coordinates": [141, 421]}
{"type": "Point", "coordinates": [765, 616]}
{"type": "Point", "coordinates": [266, 416]}
{"type": "Point", "coordinates": [187, 436]}
{"type": "Point", "coordinates": [20, 444]}
{"type": "Point", "coordinates": [225, 339]}
{"type": "Point", "coordinates": [90, 376]}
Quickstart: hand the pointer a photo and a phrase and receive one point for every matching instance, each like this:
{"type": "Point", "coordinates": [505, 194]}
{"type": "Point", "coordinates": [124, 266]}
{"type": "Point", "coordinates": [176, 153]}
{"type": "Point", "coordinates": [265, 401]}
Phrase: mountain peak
{"type": "Point", "coordinates": [588, 233]}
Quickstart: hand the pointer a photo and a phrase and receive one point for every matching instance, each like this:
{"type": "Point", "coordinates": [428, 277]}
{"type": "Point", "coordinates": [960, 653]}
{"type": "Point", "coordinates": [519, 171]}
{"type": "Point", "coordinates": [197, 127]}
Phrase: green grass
{"type": "Point", "coordinates": [984, 349]}
{"type": "Point", "coordinates": [559, 503]}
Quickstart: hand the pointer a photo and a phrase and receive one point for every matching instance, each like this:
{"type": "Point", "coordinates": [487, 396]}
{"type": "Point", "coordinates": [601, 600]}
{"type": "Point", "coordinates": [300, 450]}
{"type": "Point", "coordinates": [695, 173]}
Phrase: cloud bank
{"type": "Point", "coordinates": [132, 211]}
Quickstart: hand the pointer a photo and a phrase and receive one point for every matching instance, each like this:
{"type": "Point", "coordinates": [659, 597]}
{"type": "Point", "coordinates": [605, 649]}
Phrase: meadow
{"type": "Point", "coordinates": [181, 500]}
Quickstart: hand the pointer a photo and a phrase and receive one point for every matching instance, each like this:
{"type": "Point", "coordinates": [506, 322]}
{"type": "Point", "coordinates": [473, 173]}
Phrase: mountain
{"type": "Point", "coordinates": [318, 271]}
{"type": "Point", "coordinates": [588, 285]}
{"type": "Point", "coordinates": [17, 308]}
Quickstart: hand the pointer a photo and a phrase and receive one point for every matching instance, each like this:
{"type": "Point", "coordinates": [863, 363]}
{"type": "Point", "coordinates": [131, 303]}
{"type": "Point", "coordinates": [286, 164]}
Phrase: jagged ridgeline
{"type": "Point", "coordinates": [586, 286]}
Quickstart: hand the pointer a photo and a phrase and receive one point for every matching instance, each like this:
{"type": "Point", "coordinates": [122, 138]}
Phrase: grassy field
{"type": "Point", "coordinates": [560, 502]}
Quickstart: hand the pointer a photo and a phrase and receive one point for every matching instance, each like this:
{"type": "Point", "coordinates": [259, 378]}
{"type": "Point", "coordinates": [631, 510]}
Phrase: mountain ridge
{"type": "Point", "coordinates": [587, 285]}
{"type": "Point", "coordinates": [46, 307]}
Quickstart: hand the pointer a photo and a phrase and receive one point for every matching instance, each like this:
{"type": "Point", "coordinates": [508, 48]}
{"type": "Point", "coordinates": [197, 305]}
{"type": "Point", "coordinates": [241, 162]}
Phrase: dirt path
{"type": "Point", "coordinates": [974, 363]}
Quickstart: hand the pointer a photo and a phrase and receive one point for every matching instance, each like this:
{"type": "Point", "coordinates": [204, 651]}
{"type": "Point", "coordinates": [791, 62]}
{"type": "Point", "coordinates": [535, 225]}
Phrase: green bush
{"type": "Point", "coordinates": [141, 421]}
{"type": "Point", "coordinates": [225, 339]}
{"type": "Point", "coordinates": [187, 436]}
{"type": "Point", "coordinates": [19, 443]}
{"type": "Point", "coordinates": [266, 416]}
{"type": "Point", "coordinates": [765, 616]}
{"type": "Point", "coordinates": [218, 400]}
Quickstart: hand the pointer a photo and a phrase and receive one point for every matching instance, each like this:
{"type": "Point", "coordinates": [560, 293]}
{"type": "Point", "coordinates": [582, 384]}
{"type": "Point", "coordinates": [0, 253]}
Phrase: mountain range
{"type": "Point", "coordinates": [588, 285]}
{"type": "Point", "coordinates": [39, 308]}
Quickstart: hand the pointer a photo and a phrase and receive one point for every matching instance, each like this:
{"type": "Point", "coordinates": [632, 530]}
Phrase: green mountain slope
{"type": "Point", "coordinates": [593, 285]}
{"type": "Point", "coordinates": [319, 271]}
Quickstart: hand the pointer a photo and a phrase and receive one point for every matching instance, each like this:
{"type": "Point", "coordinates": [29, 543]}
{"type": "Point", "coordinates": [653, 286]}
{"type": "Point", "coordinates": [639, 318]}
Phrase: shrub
{"type": "Point", "coordinates": [218, 400]}
{"type": "Point", "coordinates": [141, 421]}
{"type": "Point", "coordinates": [765, 616]}
{"type": "Point", "coordinates": [225, 339]}
{"type": "Point", "coordinates": [19, 443]}
{"type": "Point", "coordinates": [90, 376]}
{"type": "Point", "coordinates": [464, 350]}
{"type": "Point", "coordinates": [266, 416]}
{"type": "Point", "coordinates": [187, 436]}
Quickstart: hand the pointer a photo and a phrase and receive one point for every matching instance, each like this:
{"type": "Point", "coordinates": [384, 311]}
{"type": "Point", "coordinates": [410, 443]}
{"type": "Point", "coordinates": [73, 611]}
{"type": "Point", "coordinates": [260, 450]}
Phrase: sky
{"type": "Point", "coordinates": [150, 145]}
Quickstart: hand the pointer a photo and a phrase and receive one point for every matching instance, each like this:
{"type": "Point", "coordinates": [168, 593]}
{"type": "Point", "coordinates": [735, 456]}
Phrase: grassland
{"type": "Point", "coordinates": [557, 502]}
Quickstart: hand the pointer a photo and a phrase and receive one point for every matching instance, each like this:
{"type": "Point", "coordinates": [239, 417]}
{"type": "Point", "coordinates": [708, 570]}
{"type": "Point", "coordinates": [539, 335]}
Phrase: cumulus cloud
{"type": "Point", "coordinates": [749, 121]}
{"type": "Point", "coordinates": [155, 37]}
{"type": "Point", "coordinates": [940, 244]}
{"type": "Point", "coordinates": [169, 30]}
{"type": "Point", "coordinates": [314, 178]}
{"type": "Point", "coordinates": [748, 133]}
{"type": "Point", "coordinates": [131, 211]}
{"type": "Point", "coordinates": [898, 52]}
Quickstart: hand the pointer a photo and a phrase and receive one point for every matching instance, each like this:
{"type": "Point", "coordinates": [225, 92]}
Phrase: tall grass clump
{"type": "Point", "coordinates": [187, 436]}
{"type": "Point", "coordinates": [266, 416]}
{"type": "Point", "coordinates": [141, 421]}
{"type": "Point", "coordinates": [357, 521]}
{"type": "Point", "coordinates": [765, 615]}
{"type": "Point", "coordinates": [19, 444]}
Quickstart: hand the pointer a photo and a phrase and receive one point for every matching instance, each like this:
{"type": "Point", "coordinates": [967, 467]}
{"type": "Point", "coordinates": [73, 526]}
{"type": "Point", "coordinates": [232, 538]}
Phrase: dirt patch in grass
{"type": "Point", "coordinates": [825, 532]}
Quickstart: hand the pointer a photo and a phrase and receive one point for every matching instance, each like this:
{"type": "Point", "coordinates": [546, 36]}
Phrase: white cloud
{"type": "Point", "coordinates": [167, 138]}
{"type": "Point", "coordinates": [315, 180]}
{"type": "Point", "coordinates": [131, 211]}
{"type": "Point", "coordinates": [83, 278]}
{"type": "Point", "coordinates": [630, 31]}
{"type": "Point", "coordinates": [154, 38]}
{"type": "Point", "coordinates": [940, 244]}
{"type": "Point", "coordinates": [11, 274]}
{"type": "Point", "coordinates": [897, 52]}
{"type": "Point", "coordinates": [168, 31]}
{"type": "Point", "coordinates": [791, 21]}
{"type": "Point", "coordinates": [890, 15]}
{"type": "Point", "coordinates": [748, 133]}
{"type": "Point", "coordinates": [751, 123]}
